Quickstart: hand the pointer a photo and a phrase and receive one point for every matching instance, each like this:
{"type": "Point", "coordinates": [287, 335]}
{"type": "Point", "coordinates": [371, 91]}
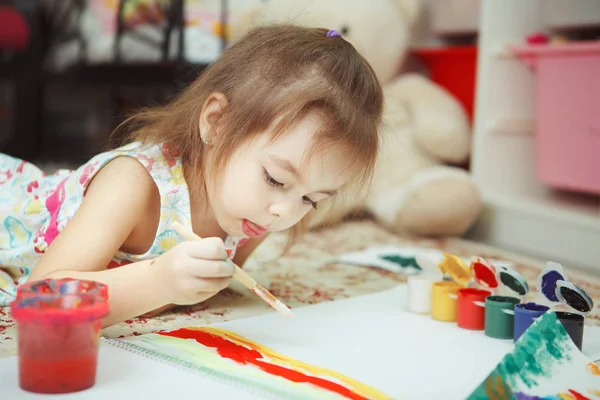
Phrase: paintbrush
{"type": "Point", "coordinates": [242, 276]}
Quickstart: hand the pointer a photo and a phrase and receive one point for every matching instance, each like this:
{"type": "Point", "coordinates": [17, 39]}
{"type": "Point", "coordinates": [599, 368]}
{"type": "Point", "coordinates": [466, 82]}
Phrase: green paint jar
{"type": "Point", "coordinates": [500, 316]}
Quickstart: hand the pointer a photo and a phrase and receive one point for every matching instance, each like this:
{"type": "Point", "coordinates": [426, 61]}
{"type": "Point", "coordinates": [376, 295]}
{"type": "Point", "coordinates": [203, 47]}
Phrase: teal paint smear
{"type": "Point", "coordinates": [403, 262]}
{"type": "Point", "coordinates": [544, 346]}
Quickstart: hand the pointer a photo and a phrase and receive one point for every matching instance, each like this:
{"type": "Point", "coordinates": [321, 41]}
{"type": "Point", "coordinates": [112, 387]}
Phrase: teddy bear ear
{"type": "Point", "coordinates": [410, 9]}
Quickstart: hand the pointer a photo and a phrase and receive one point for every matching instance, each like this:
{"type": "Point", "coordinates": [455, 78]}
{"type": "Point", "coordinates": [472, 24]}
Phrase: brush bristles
{"type": "Point", "coordinates": [272, 301]}
{"type": "Point", "coordinates": [283, 309]}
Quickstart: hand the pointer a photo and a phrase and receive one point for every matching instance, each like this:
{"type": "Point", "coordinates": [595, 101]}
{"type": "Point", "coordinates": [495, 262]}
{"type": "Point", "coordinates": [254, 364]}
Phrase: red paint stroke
{"type": "Point", "coordinates": [245, 356]}
{"type": "Point", "coordinates": [578, 396]}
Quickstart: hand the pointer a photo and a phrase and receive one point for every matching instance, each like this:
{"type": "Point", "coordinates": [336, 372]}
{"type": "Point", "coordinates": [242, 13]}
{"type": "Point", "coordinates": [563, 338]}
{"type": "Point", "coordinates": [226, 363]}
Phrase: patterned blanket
{"type": "Point", "coordinates": [306, 276]}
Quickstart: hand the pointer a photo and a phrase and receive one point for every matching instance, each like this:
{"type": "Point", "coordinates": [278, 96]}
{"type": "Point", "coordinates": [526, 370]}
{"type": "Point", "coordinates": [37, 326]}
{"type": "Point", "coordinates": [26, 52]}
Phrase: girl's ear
{"type": "Point", "coordinates": [213, 110]}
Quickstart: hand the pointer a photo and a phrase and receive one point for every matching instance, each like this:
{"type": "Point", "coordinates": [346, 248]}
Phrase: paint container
{"type": "Point", "coordinates": [471, 308]}
{"type": "Point", "coordinates": [444, 294]}
{"type": "Point", "coordinates": [525, 315]}
{"type": "Point", "coordinates": [547, 281]}
{"type": "Point", "coordinates": [471, 301]}
{"type": "Point", "coordinates": [59, 327]}
{"type": "Point", "coordinates": [419, 294]}
{"type": "Point", "coordinates": [499, 316]}
{"type": "Point", "coordinates": [573, 324]}
{"type": "Point", "coordinates": [484, 273]}
{"type": "Point", "coordinates": [578, 303]}
{"type": "Point", "coordinates": [443, 301]}
{"type": "Point", "coordinates": [554, 288]}
{"type": "Point", "coordinates": [513, 283]}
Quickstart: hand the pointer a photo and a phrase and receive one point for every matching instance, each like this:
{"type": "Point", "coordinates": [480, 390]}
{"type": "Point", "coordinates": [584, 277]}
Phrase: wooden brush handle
{"type": "Point", "coordinates": [239, 274]}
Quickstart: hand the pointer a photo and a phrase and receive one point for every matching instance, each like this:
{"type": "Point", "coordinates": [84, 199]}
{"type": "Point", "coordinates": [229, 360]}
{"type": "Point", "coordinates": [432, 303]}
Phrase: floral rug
{"type": "Point", "coordinates": [306, 276]}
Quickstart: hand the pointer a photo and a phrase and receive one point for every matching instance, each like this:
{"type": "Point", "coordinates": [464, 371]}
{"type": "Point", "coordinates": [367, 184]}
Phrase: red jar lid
{"type": "Point", "coordinates": [484, 273]}
{"type": "Point", "coordinates": [60, 300]}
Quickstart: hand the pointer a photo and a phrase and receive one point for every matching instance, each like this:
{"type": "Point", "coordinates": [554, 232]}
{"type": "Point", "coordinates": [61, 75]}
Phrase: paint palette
{"type": "Point", "coordinates": [391, 258]}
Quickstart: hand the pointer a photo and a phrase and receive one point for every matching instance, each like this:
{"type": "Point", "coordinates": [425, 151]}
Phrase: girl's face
{"type": "Point", "coordinates": [271, 186]}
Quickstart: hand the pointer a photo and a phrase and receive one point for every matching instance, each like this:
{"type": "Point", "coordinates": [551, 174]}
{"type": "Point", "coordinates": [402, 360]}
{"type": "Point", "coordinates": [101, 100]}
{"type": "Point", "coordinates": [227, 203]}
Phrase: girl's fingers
{"type": "Point", "coordinates": [211, 269]}
{"type": "Point", "coordinates": [209, 249]}
{"type": "Point", "coordinates": [202, 285]}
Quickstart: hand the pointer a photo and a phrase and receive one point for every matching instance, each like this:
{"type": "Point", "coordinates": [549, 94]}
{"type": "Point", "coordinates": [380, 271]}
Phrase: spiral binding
{"type": "Point", "coordinates": [188, 366]}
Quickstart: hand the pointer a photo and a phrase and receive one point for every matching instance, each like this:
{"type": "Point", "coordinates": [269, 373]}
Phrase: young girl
{"type": "Point", "coordinates": [284, 120]}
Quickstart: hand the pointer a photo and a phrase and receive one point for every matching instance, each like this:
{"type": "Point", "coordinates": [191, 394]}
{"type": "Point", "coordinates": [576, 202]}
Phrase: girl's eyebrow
{"type": "Point", "coordinates": [327, 192]}
{"type": "Point", "coordinates": [289, 167]}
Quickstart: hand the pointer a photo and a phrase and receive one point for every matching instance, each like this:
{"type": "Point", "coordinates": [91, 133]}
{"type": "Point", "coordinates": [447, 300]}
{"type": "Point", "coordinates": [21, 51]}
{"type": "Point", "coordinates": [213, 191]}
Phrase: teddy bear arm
{"type": "Point", "coordinates": [441, 125]}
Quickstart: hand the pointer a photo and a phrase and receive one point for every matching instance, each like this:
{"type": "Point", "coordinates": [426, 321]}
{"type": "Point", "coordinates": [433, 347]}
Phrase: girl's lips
{"type": "Point", "coordinates": [251, 229]}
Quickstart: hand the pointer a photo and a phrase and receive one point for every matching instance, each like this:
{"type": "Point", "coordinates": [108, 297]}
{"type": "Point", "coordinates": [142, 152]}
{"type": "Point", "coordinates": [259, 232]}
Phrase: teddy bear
{"type": "Point", "coordinates": [418, 187]}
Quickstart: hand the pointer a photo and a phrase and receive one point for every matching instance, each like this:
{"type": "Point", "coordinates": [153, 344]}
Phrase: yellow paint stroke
{"type": "Point", "coordinates": [357, 387]}
{"type": "Point", "coordinates": [566, 396]}
{"type": "Point", "coordinates": [593, 368]}
{"type": "Point", "coordinates": [594, 392]}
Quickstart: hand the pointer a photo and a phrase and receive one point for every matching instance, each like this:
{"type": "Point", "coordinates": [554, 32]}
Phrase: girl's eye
{"type": "Point", "coordinates": [272, 182]}
{"type": "Point", "coordinates": [269, 179]}
{"type": "Point", "coordinates": [306, 200]}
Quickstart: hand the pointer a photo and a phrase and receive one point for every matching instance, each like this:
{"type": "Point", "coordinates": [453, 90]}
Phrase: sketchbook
{"type": "Point", "coordinates": [365, 347]}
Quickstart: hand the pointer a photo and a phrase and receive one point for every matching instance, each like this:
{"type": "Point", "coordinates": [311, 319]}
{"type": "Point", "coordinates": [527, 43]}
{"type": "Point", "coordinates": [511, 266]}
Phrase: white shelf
{"type": "Point", "coordinates": [520, 213]}
{"type": "Point", "coordinates": [450, 17]}
{"type": "Point", "coordinates": [544, 229]}
{"type": "Point", "coordinates": [560, 14]}
{"type": "Point", "coordinates": [454, 16]}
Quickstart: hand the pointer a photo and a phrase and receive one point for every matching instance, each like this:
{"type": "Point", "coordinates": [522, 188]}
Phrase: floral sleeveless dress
{"type": "Point", "coordinates": [35, 207]}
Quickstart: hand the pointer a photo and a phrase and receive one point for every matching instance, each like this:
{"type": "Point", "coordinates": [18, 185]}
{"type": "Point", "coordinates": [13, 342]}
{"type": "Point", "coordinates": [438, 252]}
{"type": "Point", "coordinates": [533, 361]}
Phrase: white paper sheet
{"type": "Point", "coordinates": [370, 338]}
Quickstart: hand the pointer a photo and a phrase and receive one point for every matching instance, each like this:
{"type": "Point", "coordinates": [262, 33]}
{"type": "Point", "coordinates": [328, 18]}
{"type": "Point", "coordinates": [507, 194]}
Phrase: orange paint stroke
{"type": "Point", "coordinates": [593, 368]}
{"type": "Point", "coordinates": [494, 388]}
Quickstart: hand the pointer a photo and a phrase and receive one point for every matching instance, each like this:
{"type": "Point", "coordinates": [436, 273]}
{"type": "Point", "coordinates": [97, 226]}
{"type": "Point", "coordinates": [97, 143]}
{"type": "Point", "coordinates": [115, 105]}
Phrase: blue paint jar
{"type": "Point", "coordinates": [525, 315]}
{"type": "Point", "coordinates": [552, 284]}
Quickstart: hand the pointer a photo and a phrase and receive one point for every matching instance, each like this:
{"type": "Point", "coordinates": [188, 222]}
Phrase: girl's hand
{"type": "Point", "coordinates": [194, 271]}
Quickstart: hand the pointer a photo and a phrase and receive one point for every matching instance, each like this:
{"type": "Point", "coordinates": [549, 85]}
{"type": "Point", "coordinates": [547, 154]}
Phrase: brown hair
{"type": "Point", "coordinates": [275, 73]}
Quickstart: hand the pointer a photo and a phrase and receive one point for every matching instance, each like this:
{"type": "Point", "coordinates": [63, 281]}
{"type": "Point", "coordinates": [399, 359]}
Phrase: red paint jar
{"type": "Point", "coordinates": [59, 325]}
{"type": "Point", "coordinates": [471, 308]}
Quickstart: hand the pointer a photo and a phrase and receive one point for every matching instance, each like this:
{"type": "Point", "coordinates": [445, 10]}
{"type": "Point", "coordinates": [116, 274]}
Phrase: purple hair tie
{"type": "Point", "coordinates": [333, 32]}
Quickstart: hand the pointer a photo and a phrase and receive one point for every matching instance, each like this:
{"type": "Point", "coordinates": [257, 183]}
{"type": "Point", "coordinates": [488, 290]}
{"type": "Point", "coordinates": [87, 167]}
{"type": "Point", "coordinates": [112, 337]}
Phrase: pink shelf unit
{"type": "Point", "coordinates": [567, 113]}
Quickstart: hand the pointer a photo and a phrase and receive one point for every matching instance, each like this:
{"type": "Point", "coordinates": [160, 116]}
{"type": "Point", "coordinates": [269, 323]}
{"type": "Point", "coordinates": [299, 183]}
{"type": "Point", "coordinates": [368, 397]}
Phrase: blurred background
{"type": "Point", "coordinates": [71, 70]}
